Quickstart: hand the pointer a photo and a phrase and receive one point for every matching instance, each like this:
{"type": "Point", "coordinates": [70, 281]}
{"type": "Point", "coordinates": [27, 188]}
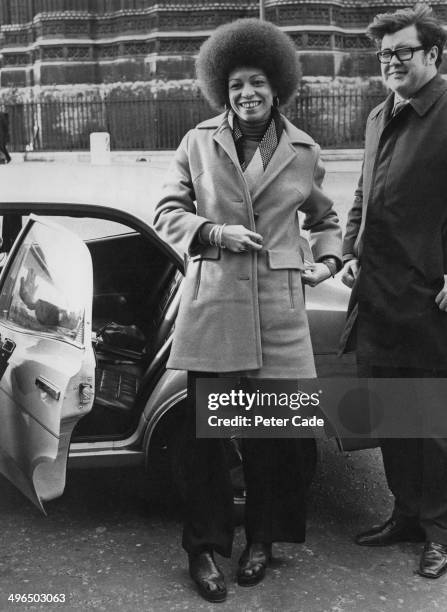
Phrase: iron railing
{"type": "Point", "coordinates": [334, 120]}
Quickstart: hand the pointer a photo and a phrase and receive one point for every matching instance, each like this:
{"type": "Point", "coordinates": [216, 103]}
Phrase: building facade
{"type": "Point", "coordinates": [46, 42]}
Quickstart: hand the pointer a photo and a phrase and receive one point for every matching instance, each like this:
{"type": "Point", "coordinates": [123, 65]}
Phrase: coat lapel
{"type": "Point", "coordinates": [224, 138]}
{"type": "Point", "coordinates": [376, 125]}
{"type": "Point", "coordinates": [284, 154]}
{"type": "Point", "coordinates": [379, 121]}
{"type": "Point", "coordinates": [285, 151]}
{"type": "Point", "coordinates": [222, 135]}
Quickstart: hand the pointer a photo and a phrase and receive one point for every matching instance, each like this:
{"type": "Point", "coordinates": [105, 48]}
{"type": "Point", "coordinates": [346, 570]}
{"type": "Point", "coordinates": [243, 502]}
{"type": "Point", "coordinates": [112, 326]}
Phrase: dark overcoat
{"type": "Point", "coordinates": [397, 228]}
{"type": "Point", "coordinates": [245, 311]}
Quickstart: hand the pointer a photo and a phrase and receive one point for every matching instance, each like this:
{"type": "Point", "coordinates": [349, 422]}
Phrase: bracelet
{"type": "Point", "coordinates": [212, 235]}
{"type": "Point", "coordinates": [219, 236]}
{"type": "Point", "coordinates": [215, 236]}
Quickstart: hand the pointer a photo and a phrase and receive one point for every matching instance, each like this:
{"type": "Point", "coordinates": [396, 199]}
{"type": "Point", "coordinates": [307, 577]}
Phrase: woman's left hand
{"type": "Point", "coordinates": [315, 273]}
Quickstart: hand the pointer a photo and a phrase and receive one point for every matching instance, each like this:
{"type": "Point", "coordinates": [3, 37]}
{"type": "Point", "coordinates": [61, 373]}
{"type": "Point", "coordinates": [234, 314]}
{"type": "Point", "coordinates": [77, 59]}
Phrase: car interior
{"type": "Point", "coordinates": [134, 306]}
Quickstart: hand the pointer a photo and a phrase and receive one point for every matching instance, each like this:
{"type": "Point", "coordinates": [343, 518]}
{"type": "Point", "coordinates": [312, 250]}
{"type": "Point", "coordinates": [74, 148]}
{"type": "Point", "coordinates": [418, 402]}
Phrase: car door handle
{"type": "Point", "coordinates": [6, 350]}
{"type": "Point", "coordinates": [48, 387]}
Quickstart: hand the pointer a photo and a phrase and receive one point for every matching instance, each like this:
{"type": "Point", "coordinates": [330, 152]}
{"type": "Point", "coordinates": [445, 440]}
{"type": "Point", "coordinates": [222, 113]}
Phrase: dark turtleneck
{"type": "Point", "coordinates": [253, 132]}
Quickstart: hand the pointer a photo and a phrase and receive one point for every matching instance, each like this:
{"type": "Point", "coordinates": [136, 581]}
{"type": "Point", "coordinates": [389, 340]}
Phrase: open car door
{"type": "Point", "coordinates": [47, 362]}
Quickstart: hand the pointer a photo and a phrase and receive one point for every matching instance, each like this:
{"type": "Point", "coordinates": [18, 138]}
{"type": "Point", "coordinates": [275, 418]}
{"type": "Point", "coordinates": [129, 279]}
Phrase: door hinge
{"type": "Point", "coordinates": [85, 393]}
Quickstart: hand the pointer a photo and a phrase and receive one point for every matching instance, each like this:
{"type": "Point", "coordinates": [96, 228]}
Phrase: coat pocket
{"type": "Point", "coordinates": [207, 252]}
{"type": "Point", "coordinates": [290, 279]}
{"type": "Point", "coordinates": [286, 260]}
{"type": "Point", "coordinates": [198, 279]}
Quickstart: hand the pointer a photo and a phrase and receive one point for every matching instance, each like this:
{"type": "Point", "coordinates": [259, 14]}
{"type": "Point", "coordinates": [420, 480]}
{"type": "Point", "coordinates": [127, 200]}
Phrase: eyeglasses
{"type": "Point", "coordinates": [404, 54]}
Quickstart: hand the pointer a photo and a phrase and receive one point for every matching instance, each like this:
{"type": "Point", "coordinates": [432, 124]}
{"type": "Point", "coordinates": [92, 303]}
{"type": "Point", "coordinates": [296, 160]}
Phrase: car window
{"type": "Point", "coordinates": [88, 228]}
{"type": "Point", "coordinates": [45, 288]}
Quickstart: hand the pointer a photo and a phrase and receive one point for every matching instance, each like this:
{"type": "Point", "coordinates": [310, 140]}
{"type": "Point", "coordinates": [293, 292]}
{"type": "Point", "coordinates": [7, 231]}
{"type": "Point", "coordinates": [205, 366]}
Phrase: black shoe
{"type": "Point", "coordinates": [433, 562]}
{"type": "Point", "coordinates": [209, 579]}
{"type": "Point", "coordinates": [391, 532]}
{"type": "Point", "coordinates": [253, 563]}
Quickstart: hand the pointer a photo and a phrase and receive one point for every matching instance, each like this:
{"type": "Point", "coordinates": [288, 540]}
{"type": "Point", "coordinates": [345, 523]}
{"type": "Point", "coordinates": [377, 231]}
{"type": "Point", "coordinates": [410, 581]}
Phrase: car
{"type": "Point", "coordinates": [88, 299]}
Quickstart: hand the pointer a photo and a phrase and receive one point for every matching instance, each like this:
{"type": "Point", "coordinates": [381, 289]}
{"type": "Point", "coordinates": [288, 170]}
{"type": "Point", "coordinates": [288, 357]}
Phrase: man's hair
{"type": "Point", "coordinates": [430, 31]}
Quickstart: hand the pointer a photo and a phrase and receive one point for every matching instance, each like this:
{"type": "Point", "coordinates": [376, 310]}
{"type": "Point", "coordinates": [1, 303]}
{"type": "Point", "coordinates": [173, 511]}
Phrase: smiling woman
{"type": "Point", "coordinates": [230, 206]}
{"type": "Point", "coordinates": [250, 94]}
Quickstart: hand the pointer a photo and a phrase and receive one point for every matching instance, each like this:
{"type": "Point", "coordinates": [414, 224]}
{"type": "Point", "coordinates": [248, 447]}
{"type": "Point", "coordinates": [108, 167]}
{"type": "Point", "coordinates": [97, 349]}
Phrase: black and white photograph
{"type": "Point", "coordinates": [223, 290]}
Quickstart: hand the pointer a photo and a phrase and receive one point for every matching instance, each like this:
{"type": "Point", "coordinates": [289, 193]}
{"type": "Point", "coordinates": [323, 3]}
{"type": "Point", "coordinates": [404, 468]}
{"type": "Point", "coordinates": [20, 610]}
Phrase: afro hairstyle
{"type": "Point", "coordinates": [247, 43]}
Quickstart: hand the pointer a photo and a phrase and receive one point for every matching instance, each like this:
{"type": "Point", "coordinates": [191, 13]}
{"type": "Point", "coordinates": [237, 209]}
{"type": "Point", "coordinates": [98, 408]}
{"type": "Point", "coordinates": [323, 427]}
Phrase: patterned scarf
{"type": "Point", "coordinates": [268, 143]}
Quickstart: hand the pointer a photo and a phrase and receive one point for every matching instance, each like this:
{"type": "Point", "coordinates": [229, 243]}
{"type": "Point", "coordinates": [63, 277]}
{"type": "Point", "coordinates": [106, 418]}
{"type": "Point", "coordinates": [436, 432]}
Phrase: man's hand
{"type": "Point", "coordinates": [350, 272]}
{"type": "Point", "coordinates": [239, 239]}
{"type": "Point", "coordinates": [315, 273]}
{"type": "Point", "coordinates": [441, 298]}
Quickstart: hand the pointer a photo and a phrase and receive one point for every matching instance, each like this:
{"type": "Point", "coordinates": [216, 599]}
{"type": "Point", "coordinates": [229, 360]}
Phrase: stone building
{"type": "Point", "coordinates": [46, 42]}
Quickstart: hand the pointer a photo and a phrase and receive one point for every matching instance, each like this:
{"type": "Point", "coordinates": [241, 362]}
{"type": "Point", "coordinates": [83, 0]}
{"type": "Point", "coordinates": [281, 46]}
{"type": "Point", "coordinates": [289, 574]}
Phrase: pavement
{"type": "Point", "coordinates": [338, 159]}
{"type": "Point", "coordinates": [107, 544]}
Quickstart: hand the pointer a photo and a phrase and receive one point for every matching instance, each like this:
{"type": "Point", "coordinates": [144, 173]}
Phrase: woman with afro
{"type": "Point", "coordinates": [230, 206]}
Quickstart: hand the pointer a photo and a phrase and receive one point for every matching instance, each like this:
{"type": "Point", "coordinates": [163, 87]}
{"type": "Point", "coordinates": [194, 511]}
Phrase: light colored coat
{"type": "Point", "coordinates": [245, 311]}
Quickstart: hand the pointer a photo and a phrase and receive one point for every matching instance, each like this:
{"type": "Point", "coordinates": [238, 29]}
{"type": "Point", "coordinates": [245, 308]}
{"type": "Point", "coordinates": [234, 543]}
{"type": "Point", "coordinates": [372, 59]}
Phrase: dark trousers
{"type": "Point", "coordinates": [416, 468]}
{"type": "Point", "coordinates": [277, 475]}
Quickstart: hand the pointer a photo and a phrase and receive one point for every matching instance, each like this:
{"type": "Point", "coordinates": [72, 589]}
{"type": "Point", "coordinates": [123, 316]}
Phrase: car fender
{"type": "Point", "coordinates": [169, 392]}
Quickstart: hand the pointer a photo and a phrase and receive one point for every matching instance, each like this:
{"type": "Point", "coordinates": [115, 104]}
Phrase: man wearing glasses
{"type": "Point", "coordinates": [395, 253]}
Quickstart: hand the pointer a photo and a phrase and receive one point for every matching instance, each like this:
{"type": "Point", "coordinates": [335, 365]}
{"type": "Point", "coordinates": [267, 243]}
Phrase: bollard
{"type": "Point", "coordinates": [100, 148]}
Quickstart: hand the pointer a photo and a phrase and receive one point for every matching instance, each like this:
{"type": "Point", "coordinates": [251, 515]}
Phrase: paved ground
{"type": "Point", "coordinates": [340, 183]}
{"type": "Point", "coordinates": [107, 548]}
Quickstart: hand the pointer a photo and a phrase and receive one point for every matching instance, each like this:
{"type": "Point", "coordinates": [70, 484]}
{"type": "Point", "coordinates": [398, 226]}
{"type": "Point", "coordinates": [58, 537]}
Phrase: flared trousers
{"type": "Point", "coordinates": [277, 476]}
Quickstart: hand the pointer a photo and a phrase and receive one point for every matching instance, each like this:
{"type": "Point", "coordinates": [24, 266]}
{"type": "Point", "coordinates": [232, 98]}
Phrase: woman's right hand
{"type": "Point", "coordinates": [238, 239]}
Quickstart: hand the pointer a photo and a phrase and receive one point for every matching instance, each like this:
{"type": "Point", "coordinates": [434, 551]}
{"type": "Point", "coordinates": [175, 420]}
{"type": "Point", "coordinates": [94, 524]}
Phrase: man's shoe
{"type": "Point", "coordinates": [391, 532]}
{"type": "Point", "coordinates": [209, 579]}
{"type": "Point", "coordinates": [433, 562]}
{"type": "Point", "coordinates": [253, 563]}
